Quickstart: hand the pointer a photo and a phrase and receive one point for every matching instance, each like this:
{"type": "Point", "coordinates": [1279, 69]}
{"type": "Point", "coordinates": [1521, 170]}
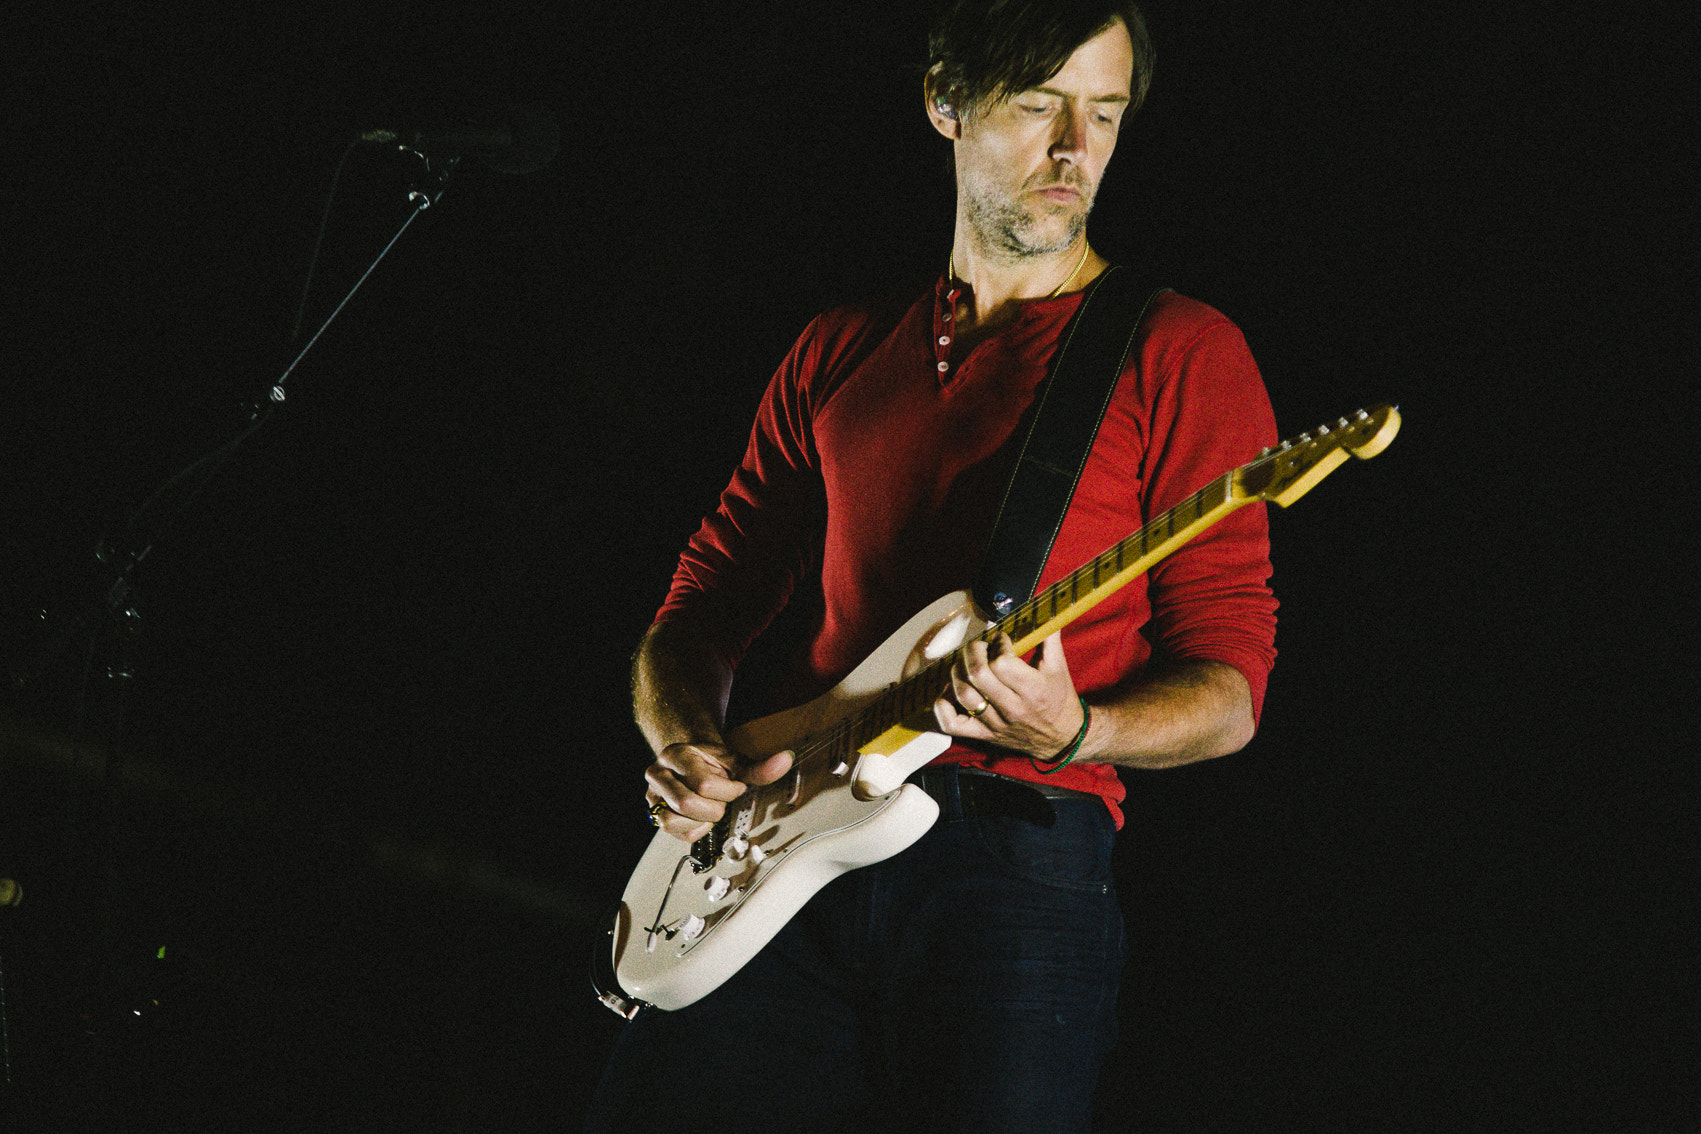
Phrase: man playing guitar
{"type": "Point", "coordinates": [968, 982]}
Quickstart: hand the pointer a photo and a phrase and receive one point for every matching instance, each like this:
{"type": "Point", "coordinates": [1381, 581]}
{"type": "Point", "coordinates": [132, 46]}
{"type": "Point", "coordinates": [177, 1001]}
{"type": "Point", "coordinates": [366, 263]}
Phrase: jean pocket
{"type": "Point", "coordinates": [1073, 853]}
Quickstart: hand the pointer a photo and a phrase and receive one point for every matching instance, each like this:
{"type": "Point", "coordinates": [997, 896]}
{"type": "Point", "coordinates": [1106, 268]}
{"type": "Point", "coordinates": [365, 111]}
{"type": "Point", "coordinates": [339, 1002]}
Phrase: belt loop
{"type": "Point", "coordinates": [953, 792]}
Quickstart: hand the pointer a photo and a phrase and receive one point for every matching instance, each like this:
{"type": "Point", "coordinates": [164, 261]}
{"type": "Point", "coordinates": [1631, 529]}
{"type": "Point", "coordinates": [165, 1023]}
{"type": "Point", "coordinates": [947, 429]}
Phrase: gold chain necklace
{"type": "Point", "coordinates": [951, 268]}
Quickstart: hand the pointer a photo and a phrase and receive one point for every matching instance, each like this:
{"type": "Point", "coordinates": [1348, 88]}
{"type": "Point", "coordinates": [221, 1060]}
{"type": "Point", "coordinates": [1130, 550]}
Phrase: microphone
{"type": "Point", "coordinates": [521, 139]}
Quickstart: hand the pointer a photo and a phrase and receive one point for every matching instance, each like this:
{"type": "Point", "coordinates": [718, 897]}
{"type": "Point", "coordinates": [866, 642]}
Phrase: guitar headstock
{"type": "Point", "coordinates": [1288, 471]}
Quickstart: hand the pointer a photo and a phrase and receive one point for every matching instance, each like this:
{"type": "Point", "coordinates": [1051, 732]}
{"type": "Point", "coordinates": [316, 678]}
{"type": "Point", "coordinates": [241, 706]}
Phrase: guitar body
{"type": "Point", "coordinates": [789, 839]}
{"type": "Point", "coordinates": [691, 916]}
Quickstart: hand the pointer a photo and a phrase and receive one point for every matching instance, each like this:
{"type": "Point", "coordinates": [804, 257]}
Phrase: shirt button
{"type": "Point", "coordinates": [944, 340]}
{"type": "Point", "coordinates": [944, 366]}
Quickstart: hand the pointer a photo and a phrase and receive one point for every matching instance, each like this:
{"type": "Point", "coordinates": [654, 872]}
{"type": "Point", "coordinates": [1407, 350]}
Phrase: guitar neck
{"type": "Point", "coordinates": [1280, 474]}
{"type": "Point", "coordinates": [1084, 588]}
{"type": "Point", "coordinates": [1059, 604]}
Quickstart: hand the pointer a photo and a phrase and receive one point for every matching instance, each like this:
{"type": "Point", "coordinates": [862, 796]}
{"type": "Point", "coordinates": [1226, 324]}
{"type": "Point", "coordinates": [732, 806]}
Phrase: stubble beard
{"type": "Point", "coordinates": [1006, 226]}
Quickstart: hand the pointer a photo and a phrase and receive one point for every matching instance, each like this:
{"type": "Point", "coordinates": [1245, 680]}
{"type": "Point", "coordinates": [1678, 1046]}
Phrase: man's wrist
{"type": "Point", "coordinates": [1072, 749]}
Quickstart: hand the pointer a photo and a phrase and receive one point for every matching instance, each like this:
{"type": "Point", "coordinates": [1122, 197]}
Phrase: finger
{"type": "Point", "coordinates": [970, 726]}
{"type": "Point", "coordinates": [981, 665]}
{"type": "Point", "coordinates": [681, 798]}
{"type": "Point", "coordinates": [950, 719]}
{"type": "Point", "coordinates": [967, 694]}
{"type": "Point", "coordinates": [976, 677]}
{"type": "Point", "coordinates": [673, 823]}
{"type": "Point", "coordinates": [1004, 662]}
{"type": "Point", "coordinates": [1051, 660]}
{"type": "Point", "coordinates": [696, 760]}
{"type": "Point", "coordinates": [703, 770]}
{"type": "Point", "coordinates": [682, 828]}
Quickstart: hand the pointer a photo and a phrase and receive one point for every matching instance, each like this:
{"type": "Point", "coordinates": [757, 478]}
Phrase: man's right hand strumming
{"type": "Point", "coordinates": [690, 784]}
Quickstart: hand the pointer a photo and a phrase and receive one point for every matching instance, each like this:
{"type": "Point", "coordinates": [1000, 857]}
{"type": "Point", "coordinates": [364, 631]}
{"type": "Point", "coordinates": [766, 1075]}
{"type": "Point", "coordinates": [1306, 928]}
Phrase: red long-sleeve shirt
{"type": "Point", "coordinates": [904, 438]}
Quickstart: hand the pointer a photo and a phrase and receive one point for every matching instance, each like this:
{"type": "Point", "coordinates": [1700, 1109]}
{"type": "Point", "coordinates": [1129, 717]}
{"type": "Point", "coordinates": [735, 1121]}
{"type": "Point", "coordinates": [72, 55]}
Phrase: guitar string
{"type": "Point", "coordinates": [836, 739]}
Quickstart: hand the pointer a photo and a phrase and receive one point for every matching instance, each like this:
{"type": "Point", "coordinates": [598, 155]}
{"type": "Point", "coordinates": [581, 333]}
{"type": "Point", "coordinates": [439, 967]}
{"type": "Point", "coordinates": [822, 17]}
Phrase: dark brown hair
{"type": "Point", "coordinates": [987, 50]}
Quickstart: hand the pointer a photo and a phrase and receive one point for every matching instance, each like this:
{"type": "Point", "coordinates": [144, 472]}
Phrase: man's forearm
{"type": "Point", "coordinates": [1190, 711]}
{"type": "Point", "coordinates": [679, 688]}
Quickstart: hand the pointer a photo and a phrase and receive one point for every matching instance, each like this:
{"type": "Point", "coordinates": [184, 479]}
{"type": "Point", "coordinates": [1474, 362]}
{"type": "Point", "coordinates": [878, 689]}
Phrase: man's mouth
{"type": "Point", "coordinates": [1069, 188]}
{"type": "Point", "coordinates": [1060, 194]}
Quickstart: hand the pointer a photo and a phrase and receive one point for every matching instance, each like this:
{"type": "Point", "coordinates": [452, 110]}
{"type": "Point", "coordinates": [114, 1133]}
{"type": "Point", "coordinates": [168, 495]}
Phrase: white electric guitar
{"type": "Point", "coordinates": [693, 915]}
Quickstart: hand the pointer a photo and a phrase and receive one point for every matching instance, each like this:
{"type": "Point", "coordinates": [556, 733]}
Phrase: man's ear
{"type": "Point", "coordinates": [940, 111]}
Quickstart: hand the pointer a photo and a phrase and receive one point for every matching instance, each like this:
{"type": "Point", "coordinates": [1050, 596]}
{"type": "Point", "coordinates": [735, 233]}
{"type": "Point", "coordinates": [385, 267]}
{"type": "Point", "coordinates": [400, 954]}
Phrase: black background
{"type": "Point", "coordinates": [378, 781]}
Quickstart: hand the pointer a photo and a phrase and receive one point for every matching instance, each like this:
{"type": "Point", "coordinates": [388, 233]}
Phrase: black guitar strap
{"type": "Point", "coordinates": [1066, 415]}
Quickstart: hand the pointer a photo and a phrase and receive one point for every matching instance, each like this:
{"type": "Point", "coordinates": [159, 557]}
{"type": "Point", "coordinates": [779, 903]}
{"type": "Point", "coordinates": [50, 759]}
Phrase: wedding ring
{"type": "Point", "coordinates": [984, 706]}
{"type": "Point", "coordinates": [656, 809]}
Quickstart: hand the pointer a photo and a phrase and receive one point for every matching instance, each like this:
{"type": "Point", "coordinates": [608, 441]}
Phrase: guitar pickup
{"type": "Point", "coordinates": [706, 851]}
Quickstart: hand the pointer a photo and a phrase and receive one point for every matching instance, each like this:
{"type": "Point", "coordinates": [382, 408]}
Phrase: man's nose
{"type": "Point", "coordinates": [1069, 143]}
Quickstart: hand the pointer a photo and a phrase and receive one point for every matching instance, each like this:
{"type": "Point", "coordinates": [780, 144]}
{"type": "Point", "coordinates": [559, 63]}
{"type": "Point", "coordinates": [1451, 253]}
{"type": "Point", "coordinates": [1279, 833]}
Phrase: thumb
{"type": "Point", "coordinates": [769, 770]}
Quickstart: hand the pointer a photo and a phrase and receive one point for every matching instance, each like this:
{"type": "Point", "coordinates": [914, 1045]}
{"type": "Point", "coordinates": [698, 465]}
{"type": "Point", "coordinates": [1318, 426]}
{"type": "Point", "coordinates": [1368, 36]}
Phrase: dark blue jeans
{"type": "Point", "coordinates": [967, 984]}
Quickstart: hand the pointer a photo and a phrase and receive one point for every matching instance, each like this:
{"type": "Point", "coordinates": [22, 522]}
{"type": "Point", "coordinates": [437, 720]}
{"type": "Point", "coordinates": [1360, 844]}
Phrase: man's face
{"type": "Point", "coordinates": [1028, 167]}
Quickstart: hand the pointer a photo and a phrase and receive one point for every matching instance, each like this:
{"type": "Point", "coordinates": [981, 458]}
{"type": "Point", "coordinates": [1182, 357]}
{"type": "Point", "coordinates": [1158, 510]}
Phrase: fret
{"type": "Point", "coordinates": [1068, 598]}
{"type": "Point", "coordinates": [903, 697]}
{"type": "Point", "coordinates": [925, 686]}
{"type": "Point", "coordinates": [885, 705]}
{"type": "Point", "coordinates": [909, 692]}
{"type": "Point", "coordinates": [869, 726]}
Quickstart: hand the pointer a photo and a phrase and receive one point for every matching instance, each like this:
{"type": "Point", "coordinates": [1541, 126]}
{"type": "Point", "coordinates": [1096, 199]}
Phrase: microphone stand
{"type": "Point", "coordinates": [126, 553]}
{"type": "Point", "coordinates": [116, 603]}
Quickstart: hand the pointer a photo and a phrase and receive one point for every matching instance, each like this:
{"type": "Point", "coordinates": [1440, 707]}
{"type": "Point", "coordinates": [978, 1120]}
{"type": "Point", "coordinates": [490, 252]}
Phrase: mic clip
{"type": "Point", "coordinates": [428, 183]}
